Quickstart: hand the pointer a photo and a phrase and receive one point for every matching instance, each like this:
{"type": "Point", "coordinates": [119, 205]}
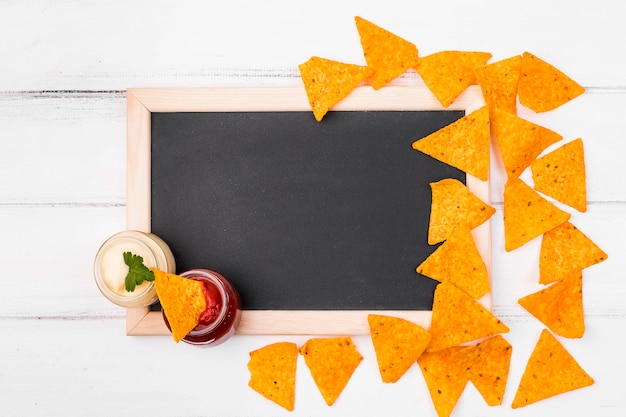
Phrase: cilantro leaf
{"type": "Point", "coordinates": [137, 271]}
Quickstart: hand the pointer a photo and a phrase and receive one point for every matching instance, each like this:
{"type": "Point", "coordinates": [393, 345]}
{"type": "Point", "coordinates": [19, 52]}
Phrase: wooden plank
{"type": "Point", "coordinates": [143, 101]}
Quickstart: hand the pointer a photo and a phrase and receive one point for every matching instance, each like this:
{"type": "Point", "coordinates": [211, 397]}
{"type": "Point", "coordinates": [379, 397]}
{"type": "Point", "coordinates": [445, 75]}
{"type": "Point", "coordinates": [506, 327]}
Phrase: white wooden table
{"type": "Point", "coordinates": [64, 70]}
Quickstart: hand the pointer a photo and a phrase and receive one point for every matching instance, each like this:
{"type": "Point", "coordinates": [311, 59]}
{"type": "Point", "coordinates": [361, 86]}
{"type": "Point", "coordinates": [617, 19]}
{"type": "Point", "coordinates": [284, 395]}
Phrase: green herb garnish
{"type": "Point", "coordinates": [137, 271]}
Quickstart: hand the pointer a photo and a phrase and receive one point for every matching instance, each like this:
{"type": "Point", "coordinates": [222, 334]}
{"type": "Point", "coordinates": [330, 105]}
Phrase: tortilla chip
{"type": "Point", "coordinates": [397, 343]}
{"type": "Point", "coordinates": [448, 73]}
{"type": "Point", "coordinates": [331, 361]}
{"type": "Point", "coordinates": [566, 250]}
{"type": "Point", "coordinates": [458, 262]}
{"type": "Point", "coordinates": [273, 373]}
{"type": "Point", "coordinates": [453, 205]}
{"type": "Point", "coordinates": [559, 306]}
{"type": "Point", "coordinates": [182, 300]}
{"type": "Point", "coordinates": [327, 82]}
{"type": "Point", "coordinates": [520, 141]}
{"type": "Point", "coordinates": [543, 87]}
{"type": "Point", "coordinates": [463, 144]}
{"type": "Point", "coordinates": [561, 175]}
{"type": "Point", "coordinates": [551, 370]}
{"type": "Point", "coordinates": [498, 82]}
{"type": "Point", "coordinates": [444, 378]}
{"type": "Point", "coordinates": [457, 318]}
{"type": "Point", "coordinates": [527, 215]}
{"type": "Point", "coordinates": [387, 54]}
{"type": "Point", "coordinates": [487, 364]}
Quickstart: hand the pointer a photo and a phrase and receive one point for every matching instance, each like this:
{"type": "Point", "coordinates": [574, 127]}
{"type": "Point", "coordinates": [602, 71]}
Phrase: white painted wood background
{"type": "Point", "coordinates": [64, 69]}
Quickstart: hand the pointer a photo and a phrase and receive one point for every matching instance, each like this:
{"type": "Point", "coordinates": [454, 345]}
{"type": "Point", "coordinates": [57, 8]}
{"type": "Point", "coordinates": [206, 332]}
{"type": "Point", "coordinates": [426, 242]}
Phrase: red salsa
{"type": "Point", "coordinates": [223, 309]}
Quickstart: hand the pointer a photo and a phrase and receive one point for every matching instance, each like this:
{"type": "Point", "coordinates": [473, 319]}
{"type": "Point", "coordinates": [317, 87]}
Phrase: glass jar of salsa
{"type": "Point", "coordinates": [223, 312]}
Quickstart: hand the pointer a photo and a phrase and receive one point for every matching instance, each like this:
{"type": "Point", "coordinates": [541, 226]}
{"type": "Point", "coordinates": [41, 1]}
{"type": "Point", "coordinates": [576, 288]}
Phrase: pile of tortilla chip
{"type": "Point", "coordinates": [464, 342]}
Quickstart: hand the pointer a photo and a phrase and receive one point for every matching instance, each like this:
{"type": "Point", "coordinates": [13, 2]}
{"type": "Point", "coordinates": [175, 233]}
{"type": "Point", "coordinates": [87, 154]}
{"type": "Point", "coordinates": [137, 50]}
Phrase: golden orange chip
{"type": "Point", "coordinates": [498, 82]}
{"type": "Point", "coordinates": [397, 343]}
{"type": "Point", "coordinates": [527, 215]}
{"type": "Point", "coordinates": [273, 373]}
{"type": "Point", "coordinates": [457, 318]}
{"type": "Point", "coordinates": [331, 361]}
{"type": "Point", "coordinates": [454, 205]}
{"type": "Point", "coordinates": [387, 54]}
{"type": "Point", "coordinates": [448, 73]}
{"type": "Point", "coordinates": [463, 144]}
{"type": "Point", "coordinates": [487, 364]}
{"type": "Point", "coordinates": [559, 306]}
{"type": "Point", "coordinates": [566, 250]}
{"type": "Point", "coordinates": [182, 300]}
{"type": "Point", "coordinates": [543, 87]}
{"type": "Point", "coordinates": [520, 141]}
{"type": "Point", "coordinates": [561, 175]}
{"type": "Point", "coordinates": [551, 370]}
{"type": "Point", "coordinates": [458, 262]}
{"type": "Point", "coordinates": [445, 379]}
{"type": "Point", "coordinates": [327, 82]}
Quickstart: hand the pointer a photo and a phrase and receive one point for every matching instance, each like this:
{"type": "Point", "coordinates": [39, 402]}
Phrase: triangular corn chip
{"type": "Point", "coordinates": [327, 82]}
{"type": "Point", "coordinates": [566, 250]}
{"type": "Point", "coordinates": [182, 300]}
{"type": "Point", "coordinates": [331, 361]}
{"type": "Point", "coordinates": [543, 87]}
{"type": "Point", "coordinates": [453, 205]}
{"type": "Point", "coordinates": [551, 370]}
{"type": "Point", "coordinates": [457, 318]}
{"type": "Point", "coordinates": [458, 262]}
{"type": "Point", "coordinates": [527, 215]}
{"type": "Point", "coordinates": [448, 73]}
{"type": "Point", "coordinates": [520, 141]}
{"type": "Point", "coordinates": [273, 373]}
{"type": "Point", "coordinates": [561, 175]}
{"type": "Point", "coordinates": [445, 379]}
{"type": "Point", "coordinates": [559, 306]}
{"type": "Point", "coordinates": [387, 54]}
{"type": "Point", "coordinates": [463, 144]}
{"type": "Point", "coordinates": [498, 82]}
{"type": "Point", "coordinates": [487, 364]}
{"type": "Point", "coordinates": [397, 343]}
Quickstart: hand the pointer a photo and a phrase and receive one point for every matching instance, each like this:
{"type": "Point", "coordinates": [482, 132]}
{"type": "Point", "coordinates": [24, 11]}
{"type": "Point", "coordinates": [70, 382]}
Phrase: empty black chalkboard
{"type": "Point", "coordinates": [299, 214]}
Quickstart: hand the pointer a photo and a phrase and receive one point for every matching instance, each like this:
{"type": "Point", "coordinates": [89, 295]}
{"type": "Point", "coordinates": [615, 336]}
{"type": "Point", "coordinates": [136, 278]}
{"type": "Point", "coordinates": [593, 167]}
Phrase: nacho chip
{"type": "Point", "coordinates": [551, 370]}
{"type": "Point", "coordinates": [273, 373]}
{"type": "Point", "coordinates": [331, 361]}
{"type": "Point", "coordinates": [566, 250]}
{"type": "Point", "coordinates": [448, 73]}
{"type": "Point", "coordinates": [457, 318]}
{"type": "Point", "coordinates": [397, 343]}
{"type": "Point", "coordinates": [463, 144]}
{"type": "Point", "coordinates": [498, 82]}
{"type": "Point", "coordinates": [487, 364]}
{"type": "Point", "coordinates": [327, 82]}
{"type": "Point", "coordinates": [543, 87]}
{"type": "Point", "coordinates": [520, 141]}
{"type": "Point", "coordinates": [453, 205]}
{"type": "Point", "coordinates": [387, 54]}
{"type": "Point", "coordinates": [182, 300]}
{"type": "Point", "coordinates": [458, 262]}
{"type": "Point", "coordinates": [445, 379]}
{"type": "Point", "coordinates": [559, 306]}
{"type": "Point", "coordinates": [527, 215]}
{"type": "Point", "coordinates": [561, 175]}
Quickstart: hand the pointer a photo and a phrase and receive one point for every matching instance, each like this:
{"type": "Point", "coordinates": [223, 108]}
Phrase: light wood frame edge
{"type": "Point", "coordinates": [144, 101]}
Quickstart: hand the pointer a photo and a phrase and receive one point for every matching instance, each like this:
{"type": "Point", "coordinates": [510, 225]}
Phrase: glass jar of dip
{"type": "Point", "coordinates": [223, 313]}
{"type": "Point", "coordinates": [110, 270]}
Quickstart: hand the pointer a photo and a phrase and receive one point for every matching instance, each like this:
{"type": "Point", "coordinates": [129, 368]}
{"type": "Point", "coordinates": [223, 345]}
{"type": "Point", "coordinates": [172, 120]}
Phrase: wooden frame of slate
{"type": "Point", "coordinates": [142, 103]}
